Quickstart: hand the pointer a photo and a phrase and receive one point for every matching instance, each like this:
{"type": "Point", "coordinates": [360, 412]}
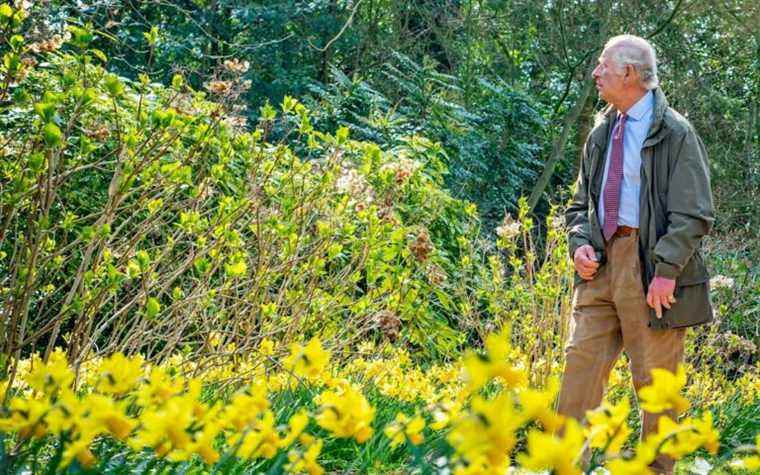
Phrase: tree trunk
{"type": "Point", "coordinates": [558, 147]}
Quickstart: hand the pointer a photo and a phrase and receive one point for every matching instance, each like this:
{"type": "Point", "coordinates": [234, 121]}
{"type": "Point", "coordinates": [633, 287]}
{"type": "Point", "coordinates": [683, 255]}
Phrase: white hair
{"type": "Point", "coordinates": [639, 53]}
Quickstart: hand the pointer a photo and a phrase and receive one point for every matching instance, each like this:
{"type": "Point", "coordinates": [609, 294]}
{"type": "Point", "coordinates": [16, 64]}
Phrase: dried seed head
{"type": "Point", "coordinates": [219, 87]}
{"type": "Point", "coordinates": [236, 66]}
{"type": "Point", "coordinates": [422, 246]}
{"type": "Point", "coordinates": [388, 323]}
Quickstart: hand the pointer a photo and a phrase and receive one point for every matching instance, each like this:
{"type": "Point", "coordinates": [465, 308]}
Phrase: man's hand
{"type": "Point", "coordinates": [660, 294]}
{"type": "Point", "coordinates": [585, 262]}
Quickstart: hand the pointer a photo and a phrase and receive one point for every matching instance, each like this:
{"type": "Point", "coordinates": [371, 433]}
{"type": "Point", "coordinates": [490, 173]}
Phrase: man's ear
{"type": "Point", "coordinates": [631, 76]}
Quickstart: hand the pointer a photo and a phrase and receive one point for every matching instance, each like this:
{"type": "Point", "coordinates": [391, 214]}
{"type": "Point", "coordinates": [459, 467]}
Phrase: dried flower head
{"type": "Point", "coordinates": [722, 282]}
{"type": "Point", "coordinates": [421, 246]}
{"type": "Point", "coordinates": [436, 274]}
{"type": "Point", "coordinates": [28, 61]}
{"type": "Point", "coordinates": [235, 122]}
{"type": "Point", "coordinates": [236, 66]}
{"type": "Point", "coordinates": [219, 87]}
{"type": "Point", "coordinates": [352, 183]}
{"type": "Point", "coordinates": [509, 228]}
{"type": "Point", "coordinates": [388, 323]}
{"type": "Point", "coordinates": [99, 133]}
{"type": "Point", "coordinates": [402, 169]}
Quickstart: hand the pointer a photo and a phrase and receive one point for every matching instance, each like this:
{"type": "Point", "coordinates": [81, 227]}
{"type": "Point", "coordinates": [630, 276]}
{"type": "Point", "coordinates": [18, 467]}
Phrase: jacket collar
{"type": "Point", "coordinates": [659, 128]}
{"type": "Point", "coordinates": [657, 131]}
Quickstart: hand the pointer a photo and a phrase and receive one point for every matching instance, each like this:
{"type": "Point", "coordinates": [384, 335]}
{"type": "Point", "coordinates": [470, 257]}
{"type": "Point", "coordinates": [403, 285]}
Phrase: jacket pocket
{"type": "Point", "coordinates": [695, 271]}
{"type": "Point", "coordinates": [692, 307]}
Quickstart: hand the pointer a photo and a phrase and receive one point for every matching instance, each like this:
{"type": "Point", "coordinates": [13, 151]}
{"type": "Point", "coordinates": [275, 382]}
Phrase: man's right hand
{"type": "Point", "coordinates": [585, 262]}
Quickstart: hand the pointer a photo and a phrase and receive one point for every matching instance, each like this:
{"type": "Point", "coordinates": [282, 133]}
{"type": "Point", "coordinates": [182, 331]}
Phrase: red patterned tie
{"type": "Point", "coordinates": [614, 179]}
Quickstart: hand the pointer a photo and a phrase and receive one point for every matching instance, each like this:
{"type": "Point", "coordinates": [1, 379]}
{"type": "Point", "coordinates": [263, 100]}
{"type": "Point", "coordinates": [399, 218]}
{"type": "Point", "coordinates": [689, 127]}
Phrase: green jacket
{"type": "Point", "coordinates": [675, 210]}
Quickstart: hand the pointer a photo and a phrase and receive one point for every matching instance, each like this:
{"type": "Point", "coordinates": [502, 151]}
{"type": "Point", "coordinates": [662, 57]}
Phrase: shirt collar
{"type": "Point", "coordinates": [642, 107]}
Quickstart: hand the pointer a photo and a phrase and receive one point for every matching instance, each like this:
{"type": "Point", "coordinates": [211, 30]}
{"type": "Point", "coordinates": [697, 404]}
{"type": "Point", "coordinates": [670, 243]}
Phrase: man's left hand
{"type": "Point", "coordinates": [661, 294]}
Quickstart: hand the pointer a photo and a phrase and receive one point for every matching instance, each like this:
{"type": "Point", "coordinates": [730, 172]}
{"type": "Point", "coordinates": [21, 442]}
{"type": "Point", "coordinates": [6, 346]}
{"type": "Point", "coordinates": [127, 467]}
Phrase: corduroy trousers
{"type": "Point", "coordinates": [610, 315]}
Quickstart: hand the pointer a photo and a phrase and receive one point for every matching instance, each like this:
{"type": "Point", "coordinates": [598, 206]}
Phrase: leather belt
{"type": "Point", "coordinates": [624, 231]}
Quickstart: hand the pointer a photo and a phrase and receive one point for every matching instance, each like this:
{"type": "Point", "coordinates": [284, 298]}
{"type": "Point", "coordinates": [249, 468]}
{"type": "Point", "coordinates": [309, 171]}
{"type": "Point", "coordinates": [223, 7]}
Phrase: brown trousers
{"type": "Point", "coordinates": [610, 314]}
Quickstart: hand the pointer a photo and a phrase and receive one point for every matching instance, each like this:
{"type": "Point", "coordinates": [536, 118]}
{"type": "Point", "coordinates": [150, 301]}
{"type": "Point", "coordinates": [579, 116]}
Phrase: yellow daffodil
{"type": "Point", "coordinates": [633, 466]}
{"type": "Point", "coordinates": [49, 377]}
{"type": "Point", "coordinates": [557, 454]}
{"type": "Point", "coordinates": [109, 415]}
{"type": "Point", "coordinates": [244, 408]}
{"type": "Point", "coordinates": [260, 439]}
{"type": "Point", "coordinates": [537, 405]}
{"type": "Point", "coordinates": [165, 428]}
{"type": "Point", "coordinates": [608, 428]}
{"type": "Point", "coordinates": [345, 412]}
{"type": "Point", "coordinates": [79, 450]}
{"type": "Point", "coordinates": [495, 363]}
{"type": "Point", "coordinates": [405, 428]}
{"type": "Point", "coordinates": [752, 462]}
{"type": "Point", "coordinates": [487, 431]}
{"type": "Point", "coordinates": [266, 347]}
{"type": "Point", "coordinates": [296, 425]}
{"type": "Point", "coordinates": [305, 461]}
{"type": "Point", "coordinates": [159, 388]}
{"type": "Point", "coordinates": [678, 440]}
{"type": "Point", "coordinates": [26, 417]}
{"type": "Point", "coordinates": [66, 414]}
{"type": "Point", "coordinates": [664, 392]}
{"type": "Point", "coordinates": [119, 374]}
{"type": "Point", "coordinates": [444, 412]}
{"type": "Point", "coordinates": [309, 362]}
{"type": "Point", "coordinates": [203, 441]}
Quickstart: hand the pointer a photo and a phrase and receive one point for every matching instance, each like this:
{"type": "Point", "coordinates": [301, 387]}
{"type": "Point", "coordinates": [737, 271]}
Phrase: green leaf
{"type": "Point", "coordinates": [15, 41]}
{"type": "Point", "coordinates": [334, 249]}
{"type": "Point", "coordinates": [151, 36]}
{"type": "Point", "coordinates": [113, 84]}
{"type": "Point", "coordinates": [87, 233]}
{"type": "Point", "coordinates": [236, 268]}
{"type": "Point", "coordinates": [133, 269]}
{"type": "Point", "coordinates": [6, 11]}
{"type": "Point", "coordinates": [342, 135]}
{"type": "Point", "coordinates": [81, 37]}
{"type": "Point", "coordinates": [105, 230]}
{"type": "Point", "coordinates": [100, 55]}
{"type": "Point", "coordinates": [36, 162]}
{"type": "Point", "coordinates": [177, 81]}
{"type": "Point", "coordinates": [268, 112]}
{"type": "Point", "coordinates": [288, 103]}
{"type": "Point", "coordinates": [177, 293]}
{"type": "Point", "coordinates": [143, 259]}
{"type": "Point", "coordinates": [52, 135]}
{"type": "Point", "coordinates": [202, 265]}
{"type": "Point", "coordinates": [152, 308]}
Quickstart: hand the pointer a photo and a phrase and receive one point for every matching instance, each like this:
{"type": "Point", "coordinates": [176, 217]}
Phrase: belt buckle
{"type": "Point", "coordinates": [624, 231]}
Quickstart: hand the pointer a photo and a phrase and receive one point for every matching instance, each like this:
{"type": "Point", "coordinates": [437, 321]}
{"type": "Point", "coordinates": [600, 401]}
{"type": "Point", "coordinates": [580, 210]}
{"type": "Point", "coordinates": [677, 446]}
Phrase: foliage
{"type": "Point", "coordinates": [492, 143]}
{"type": "Point", "coordinates": [157, 222]}
{"type": "Point", "coordinates": [137, 212]}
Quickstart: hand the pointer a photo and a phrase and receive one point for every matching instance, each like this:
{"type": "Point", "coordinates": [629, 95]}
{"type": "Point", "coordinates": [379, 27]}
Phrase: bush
{"type": "Point", "coordinates": [492, 143]}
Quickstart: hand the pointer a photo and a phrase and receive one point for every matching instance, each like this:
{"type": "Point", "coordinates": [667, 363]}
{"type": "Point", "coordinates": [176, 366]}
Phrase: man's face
{"type": "Point", "coordinates": [609, 78]}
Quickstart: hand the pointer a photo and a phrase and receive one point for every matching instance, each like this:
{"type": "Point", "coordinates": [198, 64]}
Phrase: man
{"type": "Point", "coordinates": [636, 220]}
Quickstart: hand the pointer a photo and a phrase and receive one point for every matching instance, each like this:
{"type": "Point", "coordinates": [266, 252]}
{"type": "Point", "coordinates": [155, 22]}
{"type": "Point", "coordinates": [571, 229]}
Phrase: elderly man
{"type": "Point", "coordinates": [640, 209]}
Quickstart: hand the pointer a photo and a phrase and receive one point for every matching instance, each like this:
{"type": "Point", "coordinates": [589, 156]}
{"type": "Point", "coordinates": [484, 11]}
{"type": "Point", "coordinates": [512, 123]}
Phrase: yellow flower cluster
{"type": "Point", "coordinates": [405, 428]}
{"type": "Point", "coordinates": [151, 408]}
{"type": "Point", "coordinates": [482, 406]}
{"type": "Point", "coordinates": [345, 412]}
{"type": "Point", "coordinates": [485, 433]}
